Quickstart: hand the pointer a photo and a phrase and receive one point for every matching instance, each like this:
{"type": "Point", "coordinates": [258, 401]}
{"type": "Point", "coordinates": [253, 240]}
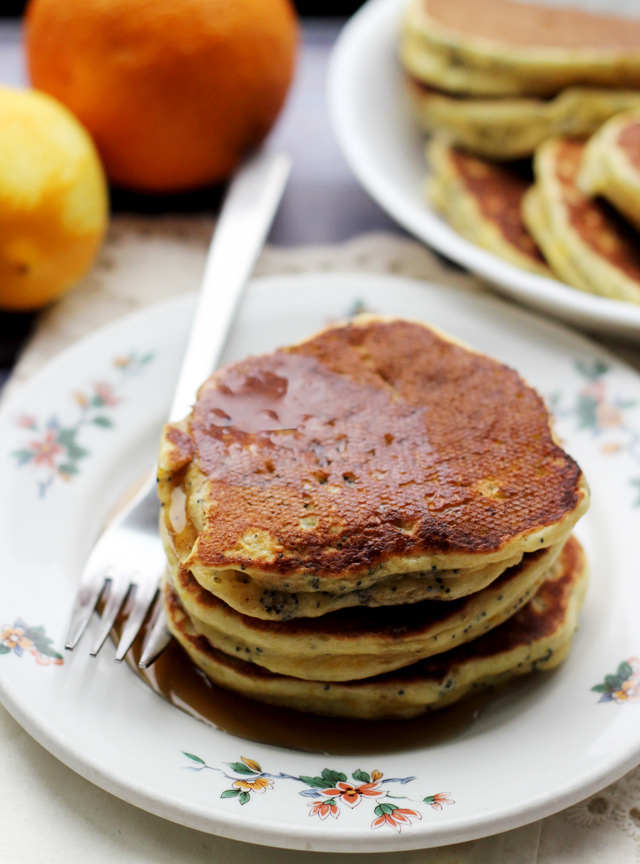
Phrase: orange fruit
{"type": "Point", "coordinates": [53, 199]}
{"type": "Point", "coordinates": [174, 92]}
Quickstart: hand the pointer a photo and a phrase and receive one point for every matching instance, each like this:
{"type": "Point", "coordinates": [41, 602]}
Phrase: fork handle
{"type": "Point", "coordinates": [249, 207]}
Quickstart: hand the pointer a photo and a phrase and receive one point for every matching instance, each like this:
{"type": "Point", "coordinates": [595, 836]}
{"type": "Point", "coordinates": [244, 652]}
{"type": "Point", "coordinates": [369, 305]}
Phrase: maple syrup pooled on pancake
{"type": "Point", "coordinates": [177, 680]}
{"type": "Point", "coordinates": [333, 425]}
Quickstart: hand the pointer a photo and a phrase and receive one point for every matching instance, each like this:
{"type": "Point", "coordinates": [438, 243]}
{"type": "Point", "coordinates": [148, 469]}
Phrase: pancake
{"type": "Point", "coordinates": [537, 637]}
{"type": "Point", "coordinates": [482, 200]}
{"type": "Point", "coordinates": [246, 595]}
{"type": "Point", "coordinates": [360, 643]}
{"type": "Point", "coordinates": [512, 127]}
{"type": "Point", "coordinates": [585, 241]}
{"type": "Point", "coordinates": [611, 165]}
{"type": "Point", "coordinates": [502, 48]}
{"type": "Point", "coordinates": [375, 448]}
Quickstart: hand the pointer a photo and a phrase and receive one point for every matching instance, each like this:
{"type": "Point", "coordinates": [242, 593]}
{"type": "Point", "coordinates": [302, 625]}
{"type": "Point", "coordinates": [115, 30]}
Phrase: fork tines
{"type": "Point", "coordinates": [120, 593]}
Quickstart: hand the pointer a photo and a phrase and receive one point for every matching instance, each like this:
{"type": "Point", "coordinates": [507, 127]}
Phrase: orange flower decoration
{"type": "Point", "coordinates": [324, 809]}
{"type": "Point", "coordinates": [46, 450]}
{"type": "Point", "coordinates": [396, 818]}
{"type": "Point", "coordinates": [436, 801]}
{"type": "Point", "coordinates": [352, 795]}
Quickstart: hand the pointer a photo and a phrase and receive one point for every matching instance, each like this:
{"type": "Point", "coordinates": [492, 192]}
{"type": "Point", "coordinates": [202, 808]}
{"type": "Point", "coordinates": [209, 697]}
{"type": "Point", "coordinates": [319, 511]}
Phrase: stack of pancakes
{"type": "Point", "coordinates": [501, 81]}
{"type": "Point", "coordinates": [369, 524]}
{"type": "Point", "coordinates": [500, 77]}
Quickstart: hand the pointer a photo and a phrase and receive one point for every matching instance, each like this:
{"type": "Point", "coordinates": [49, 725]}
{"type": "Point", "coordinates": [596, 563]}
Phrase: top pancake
{"type": "Point", "coordinates": [500, 47]}
{"type": "Point", "coordinates": [527, 25]}
{"type": "Point", "coordinates": [379, 447]}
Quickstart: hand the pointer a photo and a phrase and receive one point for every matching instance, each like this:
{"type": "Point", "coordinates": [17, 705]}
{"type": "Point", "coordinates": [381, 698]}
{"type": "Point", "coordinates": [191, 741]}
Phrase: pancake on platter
{"type": "Point", "coordinates": [611, 165]}
{"type": "Point", "coordinates": [512, 127]}
{"type": "Point", "coordinates": [504, 48]}
{"type": "Point", "coordinates": [537, 637]}
{"type": "Point", "coordinates": [373, 449]}
{"type": "Point", "coordinates": [360, 643]}
{"type": "Point", "coordinates": [482, 200]}
{"type": "Point", "coordinates": [585, 241]}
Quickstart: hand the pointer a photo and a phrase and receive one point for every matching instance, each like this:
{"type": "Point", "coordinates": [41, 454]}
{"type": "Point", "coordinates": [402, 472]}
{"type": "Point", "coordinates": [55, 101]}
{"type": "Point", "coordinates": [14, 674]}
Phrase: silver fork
{"type": "Point", "coordinates": [128, 560]}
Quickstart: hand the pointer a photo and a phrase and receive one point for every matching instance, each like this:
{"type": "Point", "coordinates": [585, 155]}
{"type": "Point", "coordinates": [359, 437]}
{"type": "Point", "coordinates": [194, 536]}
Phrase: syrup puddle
{"type": "Point", "coordinates": [177, 680]}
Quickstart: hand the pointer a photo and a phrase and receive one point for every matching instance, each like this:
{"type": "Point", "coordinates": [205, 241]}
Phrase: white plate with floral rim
{"type": "Point", "coordinates": [372, 121]}
{"type": "Point", "coordinates": [86, 427]}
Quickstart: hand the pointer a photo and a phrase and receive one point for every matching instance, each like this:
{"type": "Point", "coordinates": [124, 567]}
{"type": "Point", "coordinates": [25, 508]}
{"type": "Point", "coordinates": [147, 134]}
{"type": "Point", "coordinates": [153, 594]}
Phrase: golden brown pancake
{"type": "Point", "coordinates": [527, 25]}
{"type": "Point", "coordinates": [499, 47]}
{"type": "Point", "coordinates": [506, 128]}
{"type": "Point", "coordinates": [360, 643]}
{"type": "Point", "coordinates": [611, 165]}
{"type": "Point", "coordinates": [538, 636]}
{"type": "Point", "coordinates": [248, 596]}
{"type": "Point", "coordinates": [375, 447]}
{"type": "Point", "coordinates": [584, 240]}
{"type": "Point", "coordinates": [482, 200]}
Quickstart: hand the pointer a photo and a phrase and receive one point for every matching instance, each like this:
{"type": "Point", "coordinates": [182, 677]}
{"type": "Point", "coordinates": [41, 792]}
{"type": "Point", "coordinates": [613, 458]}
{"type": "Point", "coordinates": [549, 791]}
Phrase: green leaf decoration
{"type": "Point", "coordinates": [614, 681]}
{"type": "Point", "coordinates": [586, 410]}
{"type": "Point", "coordinates": [76, 453]}
{"type": "Point", "coordinates": [68, 468]}
{"type": "Point", "coordinates": [624, 671]}
{"type": "Point", "coordinates": [67, 437]}
{"type": "Point", "coordinates": [102, 421]}
{"type": "Point", "coordinates": [4, 649]}
{"type": "Point", "coordinates": [361, 776]}
{"type": "Point", "coordinates": [97, 401]}
{"type": "Point", "coordinates": [316, 782]}
{"type": "Point", "coordinates": [23, 455]}
{"type": "Point", "coordinates": [244, 797]}
{"type": "Point", "coordinates": [49, 652]}
{"type": "Point", "coordinates": [240, 768]}
{"type": "Point", "coordinates": [328, 779]}
{"type": "Point", "coordinates": [385, 809]}
{"type": "Point", "coordinates": [600, 688]}
{"type": "Point", "coordinates": [230, 793]}
{"type": "Point", "coordinates": [594, 371]}
{"type": "Point", "coordinates": [146, 358]}
{"type": "Point", "coordinates": [333, 777]}
{"type": "Point", "coordinates": [193, 758]}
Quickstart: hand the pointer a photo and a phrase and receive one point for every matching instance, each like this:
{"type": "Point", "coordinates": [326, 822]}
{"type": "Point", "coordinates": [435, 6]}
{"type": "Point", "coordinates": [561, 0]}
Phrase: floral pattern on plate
{"type": "Point", "coordinates": [52, 448]}
{"type": "Point", "coordinates": [330, 790]}
{"type": "Point", "coordinates": [596, 409]}
{"type": "Point", "coordinates": [624, 685]}
{"type": "Point", "coordinates": [18, 638]}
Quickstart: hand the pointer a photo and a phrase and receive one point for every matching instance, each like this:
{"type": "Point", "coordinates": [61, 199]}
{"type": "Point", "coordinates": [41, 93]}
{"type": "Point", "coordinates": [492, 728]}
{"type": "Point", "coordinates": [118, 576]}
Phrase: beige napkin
{"type": "Point", "coordinates": [50, 814]}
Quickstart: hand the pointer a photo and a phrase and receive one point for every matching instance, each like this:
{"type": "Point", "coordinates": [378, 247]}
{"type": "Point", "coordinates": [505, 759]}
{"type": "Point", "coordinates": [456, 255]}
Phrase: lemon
{"type": "Point", "coordinates": [53, 199]}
